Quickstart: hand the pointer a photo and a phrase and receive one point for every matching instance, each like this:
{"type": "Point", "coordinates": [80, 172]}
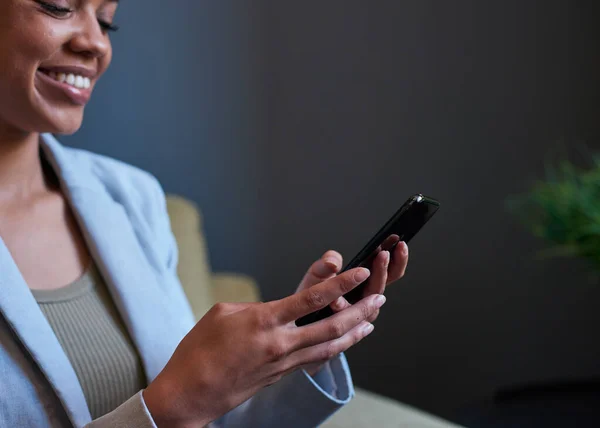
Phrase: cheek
{"type": "Point", "coordinates": [18, 62]}
{"type": "Point", "coordinates": [21, 52]}
{"type": "Point", "coordinates": [22, 48]}
{"type": "Point", "coordinates": [26, 40]}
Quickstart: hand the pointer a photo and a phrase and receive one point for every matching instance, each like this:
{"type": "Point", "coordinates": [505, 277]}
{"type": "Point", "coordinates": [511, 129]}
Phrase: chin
{"type": "Point", "coordinates": [66, 130]}
{"type": "Point", "coordinates": [63, 124]}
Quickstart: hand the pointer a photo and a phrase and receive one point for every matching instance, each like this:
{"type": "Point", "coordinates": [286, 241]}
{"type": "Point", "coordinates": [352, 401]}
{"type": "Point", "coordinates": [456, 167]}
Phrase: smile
{"type": "Point", "coordinates": [71, 79]}
{"type": "Point", "coordinates": [75, 86]}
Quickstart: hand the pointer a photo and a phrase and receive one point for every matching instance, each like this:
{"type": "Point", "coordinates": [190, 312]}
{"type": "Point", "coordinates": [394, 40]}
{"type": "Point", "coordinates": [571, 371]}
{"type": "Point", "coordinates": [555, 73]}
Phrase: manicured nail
{"type": "Point", "coordinates": [386, 260]}
{"type": "Point", "coordinates": [404, 248]}
{"type": "Point", "coordinates": [379, 301]}
{"type": "Point", "coordinates": [331, 262]}
{"type": "Point", "coordinates": [368, 329]}
{"type": "Point", "coordinates": [361, 274]}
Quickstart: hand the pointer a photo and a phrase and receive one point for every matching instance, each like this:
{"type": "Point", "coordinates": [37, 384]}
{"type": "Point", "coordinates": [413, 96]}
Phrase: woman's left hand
{"type": "Point", "coordinates": [386, 269]}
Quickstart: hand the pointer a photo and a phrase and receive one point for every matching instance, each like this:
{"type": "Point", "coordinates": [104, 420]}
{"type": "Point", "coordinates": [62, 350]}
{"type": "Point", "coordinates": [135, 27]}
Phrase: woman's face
{"type": "Point", "coordinates": [52, 53]}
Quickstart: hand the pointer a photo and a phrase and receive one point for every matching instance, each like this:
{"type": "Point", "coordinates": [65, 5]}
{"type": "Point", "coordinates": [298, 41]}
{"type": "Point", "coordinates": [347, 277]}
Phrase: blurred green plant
{"type": "Point", "coordinates": [564, 210]}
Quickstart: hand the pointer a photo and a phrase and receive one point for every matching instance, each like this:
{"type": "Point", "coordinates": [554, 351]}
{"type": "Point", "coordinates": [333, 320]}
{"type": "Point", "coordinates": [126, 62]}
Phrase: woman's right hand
{"type": "Point", "coordinates": [237, 349]}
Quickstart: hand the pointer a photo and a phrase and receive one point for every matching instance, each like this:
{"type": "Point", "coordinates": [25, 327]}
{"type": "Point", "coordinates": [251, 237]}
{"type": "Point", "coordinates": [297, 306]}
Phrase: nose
{"type": "Point", "coordinates": [89, 39]}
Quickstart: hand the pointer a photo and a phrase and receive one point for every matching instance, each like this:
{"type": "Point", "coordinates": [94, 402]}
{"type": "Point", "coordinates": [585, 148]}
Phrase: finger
{"type": "Point", "coordinates": [318, 296]}
{"type": "Point", "coordinates": [339, 304]}
{"type": "Point", "coordinates": [399, 261]}
{"type": "Point", "coordinates": [379, 275]}
{"type": "Point", "coordinates": [326, 351]}
{"type": "Point", "coordinates": [335, 326]}
{"type": "Point", "coordinates": [324, 268]}
{"type": "Point", "coordinates": [390, 242]}
{"type": "Point", "coordinates": [373, 316]}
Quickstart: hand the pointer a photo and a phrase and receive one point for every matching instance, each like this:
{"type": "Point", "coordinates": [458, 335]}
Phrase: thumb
{"type": "Point", "coordinates": [326, 267]}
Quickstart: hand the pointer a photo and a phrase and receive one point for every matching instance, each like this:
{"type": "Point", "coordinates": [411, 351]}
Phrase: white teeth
{"type": "Point", "coordinates": [79, 82]}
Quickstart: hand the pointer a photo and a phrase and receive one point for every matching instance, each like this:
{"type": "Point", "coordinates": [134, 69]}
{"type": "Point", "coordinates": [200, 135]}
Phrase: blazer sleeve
{"type": "Point", "coordinates": [131, 414]}
{"type": "Point", "coordinates": [296, 401]}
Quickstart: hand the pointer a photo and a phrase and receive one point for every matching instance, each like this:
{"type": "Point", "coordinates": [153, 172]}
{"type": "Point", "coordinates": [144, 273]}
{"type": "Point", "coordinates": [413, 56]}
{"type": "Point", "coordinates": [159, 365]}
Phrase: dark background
{"type": "Point", "coordinates": [302, 126]}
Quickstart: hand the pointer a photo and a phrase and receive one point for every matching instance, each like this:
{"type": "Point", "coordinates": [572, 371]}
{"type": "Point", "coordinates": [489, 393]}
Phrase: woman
{"type": "Point", "coordinates": [94, 327]}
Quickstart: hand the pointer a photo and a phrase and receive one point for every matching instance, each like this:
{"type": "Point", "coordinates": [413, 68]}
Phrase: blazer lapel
{"type": "Point", "coordinates": [21, 311]}
{"type": "Point", "coordinates": [23, 314]}
{"type": "Point", "coordinates": [129, 277]}
{"type": "Point", "coordinates": [111, 239]}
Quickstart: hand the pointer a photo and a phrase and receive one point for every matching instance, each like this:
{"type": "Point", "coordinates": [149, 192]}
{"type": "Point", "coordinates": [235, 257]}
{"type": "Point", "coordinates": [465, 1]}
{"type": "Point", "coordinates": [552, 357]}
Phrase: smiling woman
{"type": "Point", "coordinates": [53, 53]}
{"type": "Point", "coordinates": [95, 329]}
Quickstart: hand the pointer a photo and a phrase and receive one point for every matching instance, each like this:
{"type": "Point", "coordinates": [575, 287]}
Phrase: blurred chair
{"type": "Point", "coordinates": [204, 288]}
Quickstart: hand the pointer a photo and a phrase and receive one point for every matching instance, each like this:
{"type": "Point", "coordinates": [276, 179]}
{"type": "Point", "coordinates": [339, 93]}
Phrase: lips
{"type": "Point", "coordinates": [75, 84]}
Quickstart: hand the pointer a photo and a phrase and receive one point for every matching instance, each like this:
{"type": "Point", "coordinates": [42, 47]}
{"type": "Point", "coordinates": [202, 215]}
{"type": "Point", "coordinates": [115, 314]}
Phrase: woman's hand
{"type": "Point", "coordinates": [237, 349]}
{"type": "Point", "coordinates": [386, 269]}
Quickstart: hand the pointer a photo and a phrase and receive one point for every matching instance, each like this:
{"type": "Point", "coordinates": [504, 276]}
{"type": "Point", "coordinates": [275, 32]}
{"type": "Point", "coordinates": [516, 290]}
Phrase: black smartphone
{"type": "Point", "coordinates": [403, 226]}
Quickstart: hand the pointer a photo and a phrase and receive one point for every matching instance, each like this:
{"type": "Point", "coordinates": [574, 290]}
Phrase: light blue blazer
{"type": "Point", "coordinates": [122, 214]}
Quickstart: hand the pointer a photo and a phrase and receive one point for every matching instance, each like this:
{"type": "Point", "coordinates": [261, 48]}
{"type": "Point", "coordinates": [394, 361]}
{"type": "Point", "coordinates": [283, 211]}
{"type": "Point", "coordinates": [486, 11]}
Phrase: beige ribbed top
{"type": "Point", "coordinates": [93, 336]}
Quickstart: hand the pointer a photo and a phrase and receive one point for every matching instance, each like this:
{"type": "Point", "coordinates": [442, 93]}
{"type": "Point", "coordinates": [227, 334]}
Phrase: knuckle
{"type": "Point", "coordinates": [276, 350]}
{"type": "Point", "coordinates": [314, 299]}
{"type": "Point", "coordinates": [264, 320]}
{"type": "Point", "coordinates": [365, 311]}
{"type": "Point", "coordinates": [219, 308]}
{"type": "Point", "coordinates": [346, 284]}
{"type": "Point", "coordinates": [323, 354]}
{"type": "Point", "coordinates": [332, 350]}
{"type": "Point", "coordinates": [337, 329]}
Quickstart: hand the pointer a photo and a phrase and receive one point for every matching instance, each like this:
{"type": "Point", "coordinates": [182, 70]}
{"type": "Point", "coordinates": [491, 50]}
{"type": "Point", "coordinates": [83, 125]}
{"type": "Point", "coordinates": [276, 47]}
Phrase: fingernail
{"type": "Point", "coordinates": [361, 274]}
{"type": "Point", "coordinates": [386, 259]}
{"type": "Point", "coordinates": [379, 301]}
{"type": "Point", "coordinates": [331, 262]}
{"type": "Point", "coordinates": [404, 248]}
{"type": "Point", "coordinates": [368, 329]}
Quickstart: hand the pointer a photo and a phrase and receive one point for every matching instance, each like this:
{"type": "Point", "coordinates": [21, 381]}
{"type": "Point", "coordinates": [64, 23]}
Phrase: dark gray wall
{"type": "Point", "coordinates": [182, 99]}
{"type": "Point", "coordinates": [370, 102]}
{"type": "Point", "coordinates": [301, 126]}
